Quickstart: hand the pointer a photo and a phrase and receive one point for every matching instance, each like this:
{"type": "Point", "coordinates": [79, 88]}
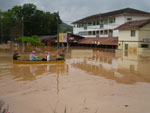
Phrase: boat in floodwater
{"type": "Point", "coordinates": [37, 62]}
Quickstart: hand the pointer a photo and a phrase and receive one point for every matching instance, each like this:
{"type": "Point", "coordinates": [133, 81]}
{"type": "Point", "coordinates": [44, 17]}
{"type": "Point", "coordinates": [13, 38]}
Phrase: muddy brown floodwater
{"type": "Point", "coordinates": [90, 81]}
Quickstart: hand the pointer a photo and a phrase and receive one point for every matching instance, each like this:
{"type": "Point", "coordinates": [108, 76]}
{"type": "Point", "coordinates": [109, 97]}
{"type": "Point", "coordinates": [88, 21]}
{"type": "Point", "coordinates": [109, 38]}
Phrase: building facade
{"type": "Point", "coordinates": [135, 36]}
{"type": "Point", "coordinates": [103, 25]}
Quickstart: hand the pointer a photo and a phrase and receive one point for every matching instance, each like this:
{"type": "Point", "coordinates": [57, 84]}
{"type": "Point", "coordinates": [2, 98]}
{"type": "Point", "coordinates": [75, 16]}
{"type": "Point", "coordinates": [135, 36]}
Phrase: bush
{"type": "Point", "coordinates": [34, 40]}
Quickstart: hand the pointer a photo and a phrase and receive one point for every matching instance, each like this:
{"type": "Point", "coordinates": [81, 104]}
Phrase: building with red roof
{"type": "Point", "coordinates": [135, 36]}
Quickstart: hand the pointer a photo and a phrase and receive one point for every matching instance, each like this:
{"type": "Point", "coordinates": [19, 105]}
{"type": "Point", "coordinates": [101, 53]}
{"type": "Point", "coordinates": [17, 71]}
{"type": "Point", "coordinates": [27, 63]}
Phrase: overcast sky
{"type": "Point", "coordinates": [72, 10]}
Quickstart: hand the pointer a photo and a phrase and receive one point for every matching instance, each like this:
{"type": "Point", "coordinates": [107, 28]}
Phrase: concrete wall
{"type": "Point", "coordinates": [125, 35]}
{"type": "Point", "coordinates": [144, 32]}
{"type": "Point", "coordinates": [119, 20]}
{"type": "Point", "coordinates": [136, 17]}
{"type": "Point", "coordinates": [144, 51]}
{"type": "Point", "coordinates": [134, 43]}
{"type": "Point", "coordinates": [132, 46]}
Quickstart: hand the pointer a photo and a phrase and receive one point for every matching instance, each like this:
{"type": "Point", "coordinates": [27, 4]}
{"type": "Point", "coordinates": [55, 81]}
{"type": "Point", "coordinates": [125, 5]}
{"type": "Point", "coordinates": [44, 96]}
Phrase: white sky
{"type": "Point", "coordinates": [72, 10]}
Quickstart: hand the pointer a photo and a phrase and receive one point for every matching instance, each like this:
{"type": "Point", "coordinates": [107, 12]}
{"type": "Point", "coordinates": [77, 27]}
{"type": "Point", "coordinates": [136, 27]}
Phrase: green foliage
{"type": "Point", "coordinates": [34, 41]}
{"type": "Point", "coordinates": [28, 20]}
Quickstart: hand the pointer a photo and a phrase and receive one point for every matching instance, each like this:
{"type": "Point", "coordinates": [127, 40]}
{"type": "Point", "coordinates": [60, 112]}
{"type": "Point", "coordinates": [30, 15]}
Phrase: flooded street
{"type": "Point", "coordinates": [90, 81]}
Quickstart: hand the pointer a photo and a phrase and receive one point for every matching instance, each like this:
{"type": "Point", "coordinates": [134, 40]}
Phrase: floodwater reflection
{"type": "Point", "coordinates": [31, 72]}
{"type": "Point", "coordinates": [126, 69]}
{"type": "Point", "coordinates": [89, 81]}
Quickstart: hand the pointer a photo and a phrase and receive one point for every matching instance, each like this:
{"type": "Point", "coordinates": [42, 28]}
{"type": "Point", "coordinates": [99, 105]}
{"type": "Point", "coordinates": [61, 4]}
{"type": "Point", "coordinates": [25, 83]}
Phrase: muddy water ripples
{"type": "Point", "coordinates": [90, 81]}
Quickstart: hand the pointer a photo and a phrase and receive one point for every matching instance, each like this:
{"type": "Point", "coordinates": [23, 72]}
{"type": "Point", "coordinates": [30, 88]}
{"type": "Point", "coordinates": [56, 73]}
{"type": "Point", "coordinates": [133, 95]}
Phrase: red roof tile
{"type": "Point", "coordinates": [133, 24]}
{"type": "Point", "coordinates": [104, 41]}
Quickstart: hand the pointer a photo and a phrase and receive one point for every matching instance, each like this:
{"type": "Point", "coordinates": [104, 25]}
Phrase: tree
{"type": "Point", "coordinates": [27, 20]}
{"type": "Point", "coordinates": [33, 41]}
{"type": "Point", "coordinates": [7, 22]}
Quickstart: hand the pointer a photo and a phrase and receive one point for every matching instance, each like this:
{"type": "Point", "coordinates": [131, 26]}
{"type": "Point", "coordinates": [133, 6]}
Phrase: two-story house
{"type": "Point", "coordinates": [104, 24]}
{"type": "Point", "coordinates": [134, 36]}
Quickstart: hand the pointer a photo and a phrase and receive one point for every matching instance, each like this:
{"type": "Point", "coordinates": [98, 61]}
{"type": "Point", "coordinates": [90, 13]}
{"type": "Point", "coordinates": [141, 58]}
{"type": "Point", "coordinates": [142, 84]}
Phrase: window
{"type": "Point", "coordinates": [129, 19]}
{"type": "Point", "coordinates": [110, 33]}
{"type": "Point", "coordinates": [144, 45]}
{"type": "Point", "coordinates": [89, 33]}
{"type": "Point", "coordinates": [101, 25]}
{"type": "Point", "coordinates": [111, 20]}
{"type": "Point", "coordinates": [97, 22]}
{"type": "Point", "coordinates": [101, 32]}
{"type": "Point", "coordinates": [79, 33]}
{"type": "Point", "coordinates": [85, 27]}
{"type": "Point", "coordinates": [101, 21]}
{"type": "Point", "coordinates": [89, 23]}
{"type": "Point", "coordinates": [97, 32]}
{"type": "Point", "coordinates": [83, 33]}
{"type": "Point", "coordinates": [82, 24]}
{"type": "Point", "coordinates": [105, 32]}
{"type": "Point", "coordinates": [126, 46]}
{"type": "Point", "coordinates": [79, 25]}
{"type": "Point", "coordinates": [85, 24]}
{"type": "Point", "coordinates": [106, 21]}
{"type": "Point", "coordinates": [93, 22]}
{"type": "Point", "coordinates": [93, 32]}
{"type": "Point", "coordinates": [132, 33]}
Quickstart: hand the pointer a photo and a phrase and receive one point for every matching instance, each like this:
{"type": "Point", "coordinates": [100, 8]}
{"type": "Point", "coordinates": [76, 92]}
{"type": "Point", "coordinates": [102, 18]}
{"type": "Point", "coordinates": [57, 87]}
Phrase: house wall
{"type": "Point", "coordinates": [119, 20]}
{"type": "Point", "coordinates": [144, 32]}
{"type": "Point", "coordinates": [115, 33]}
{"type": "Point", "coordinates": [135, 43]}
{"type": "Point", "coordinates": [125, 35]}
{"type": "Point", "coordinates": [136, 17]}
{"type": "Point", "coordinates": [132, 46]}
{"type": "Point", "coordinates": [125, 38]}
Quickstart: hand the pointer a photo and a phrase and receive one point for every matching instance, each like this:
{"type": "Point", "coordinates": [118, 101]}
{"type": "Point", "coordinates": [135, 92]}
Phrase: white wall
{"type": "Point", "coordinates": [119, 20]}
{"type": "Point", "coordinates": [77, 30]}
{"type": "Point", "coordinates": [115, 33]}
{"type": "Point", "coordinates": [136, 17]}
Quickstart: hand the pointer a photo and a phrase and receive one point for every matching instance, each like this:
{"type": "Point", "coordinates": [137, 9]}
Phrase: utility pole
{"type": "Point", "coordinates": [22, 26]}
{"type": "Point", "coordinates": [1, 20]}
{"type": "Point", "coordinates": [23, 45]}
{"type": "Point", "coordinates": [68, 36]}
{"type": "Point", "coordinates": [57, 32]}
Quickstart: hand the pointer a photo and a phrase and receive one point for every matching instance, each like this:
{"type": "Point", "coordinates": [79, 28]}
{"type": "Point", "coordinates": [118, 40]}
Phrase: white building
{"type": "Point", "coordinates": [103, 25]}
